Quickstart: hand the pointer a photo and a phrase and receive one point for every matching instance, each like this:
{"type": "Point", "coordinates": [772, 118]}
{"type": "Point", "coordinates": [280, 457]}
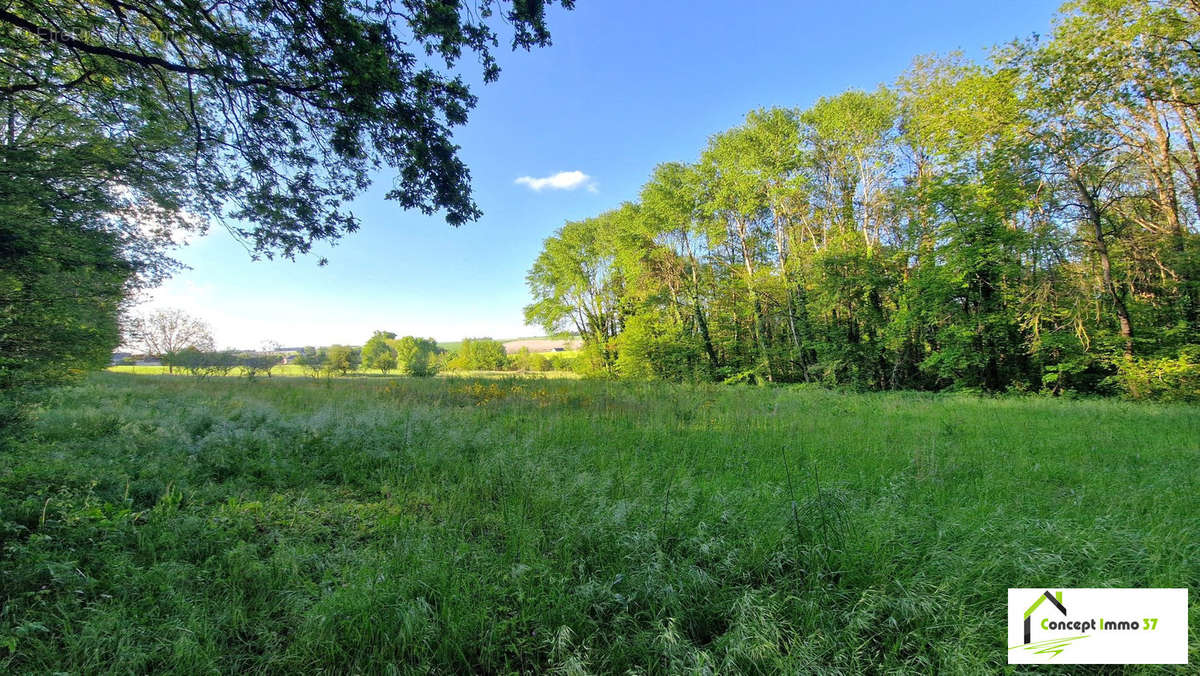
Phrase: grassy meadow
{"type": "Point", "coordinates": [499, 525]}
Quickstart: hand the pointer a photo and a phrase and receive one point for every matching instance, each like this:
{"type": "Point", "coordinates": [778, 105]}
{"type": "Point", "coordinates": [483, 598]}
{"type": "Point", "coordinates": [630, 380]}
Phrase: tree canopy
{"type": "Point", "coordinates": [127, 123]}
{"type": "Point", "coordinates": [270, 114]}
{"type": "Point", "coordinates": [1029, 223]}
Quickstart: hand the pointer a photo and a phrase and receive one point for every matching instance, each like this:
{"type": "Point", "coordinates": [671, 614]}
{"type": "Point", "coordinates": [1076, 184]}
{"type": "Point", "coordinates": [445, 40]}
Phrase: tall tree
{"type": "Point", "coordinates": [124, 123]}
{"type": "Point", "coordinates": [1028, 223]}
{"type": "Point", "coordinates": [168, 331]}
{"type": "Point", "coordinates": [673, 217]}
{"type": "Point", "coordinates": [737, 197]}
{"type": "Point", "coordinates": [378, 353]}
{"type": "Point", "coordinates": [576, 284]}
{"type": "Point", "coordinates": [270, 113]}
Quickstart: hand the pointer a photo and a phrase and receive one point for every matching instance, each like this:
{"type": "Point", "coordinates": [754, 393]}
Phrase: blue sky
{"type": "Point", "coordinates": [627, 84]}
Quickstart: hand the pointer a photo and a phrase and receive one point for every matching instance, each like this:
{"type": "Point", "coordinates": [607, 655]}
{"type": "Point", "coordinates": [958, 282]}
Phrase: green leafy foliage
{"type": "Point", "coordinates": [61, 290]}
{"type": "Point", "coordinates": [200, 364]}
{"type": "Point", "coordinates": [127, 125]}
{"type": "Point", "coordinates": [1025, 225]}
{"type": "Point", "coordinates": [378, 353]}
{"type": "Point", "coordinates": [524, 360]}
{"type": "Point", "coordinates": [271, 113]}
{"type": "Point", "coordinates": [254, 365]}
{"type": "Point", "coordinates": [417, 356]}
{"type": "Point", "coordinates": [479, 354]}
{"type": "Point", "coordinates": [340, 359]}
{"type": "Point", "coordinates": [1163, 378]}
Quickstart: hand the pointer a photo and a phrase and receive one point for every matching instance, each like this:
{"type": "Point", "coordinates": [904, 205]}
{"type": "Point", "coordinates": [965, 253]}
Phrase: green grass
{"type": "Point", "coordinates": [503, 525]}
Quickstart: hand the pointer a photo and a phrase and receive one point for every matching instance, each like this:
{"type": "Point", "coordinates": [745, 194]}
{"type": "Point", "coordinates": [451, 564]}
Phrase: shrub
{"type": "Point", "coordinates": [200, 364]}
{"type": "Point", "coordinates": [255, 364]}
{"type": "Point", "coordinates": [340, 359]}
{"type": "Point", "coordinates": [311, 360]}
{"type": "Point", "coordinates": [524, 360]}
{"type": "Point", "coordinates": [650, 351]}
{"type": "Point", "coordinates": [379, 353]}
{"type": "Point", "coordinates": [1162, 378]}
{"type": "Point", "coordinates": [416, 356]}
{"type": "Point", "coordinates": [479, 354]}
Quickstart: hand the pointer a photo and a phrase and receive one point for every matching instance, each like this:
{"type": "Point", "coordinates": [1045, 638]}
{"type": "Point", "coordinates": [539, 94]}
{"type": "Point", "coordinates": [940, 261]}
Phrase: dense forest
{"type": "Point", "coordinates": [1027, 224]}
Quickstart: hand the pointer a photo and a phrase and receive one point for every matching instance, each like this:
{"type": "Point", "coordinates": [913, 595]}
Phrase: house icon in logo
{"type": "Point", "coordinates": [1056, 599]}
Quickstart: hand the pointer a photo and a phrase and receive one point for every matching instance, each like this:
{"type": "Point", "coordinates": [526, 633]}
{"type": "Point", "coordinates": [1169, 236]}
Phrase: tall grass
{"type": "Point", "coordinates": [522, 525]}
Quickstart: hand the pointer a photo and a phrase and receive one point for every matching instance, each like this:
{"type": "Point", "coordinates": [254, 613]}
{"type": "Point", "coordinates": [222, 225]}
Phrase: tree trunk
{"type": "Point", "coordinates": [781, 245]}
{"type": "Point", "coordinates": [754, 304]}
{"type": "Point", "coordinates": [1165, 182]}
{"type": "Point", "coordinates": [1190, 139]}
{"type": "Point", "coordinates": [1097, 223]}
{"type": "Point", "coordinates": [697, 308]}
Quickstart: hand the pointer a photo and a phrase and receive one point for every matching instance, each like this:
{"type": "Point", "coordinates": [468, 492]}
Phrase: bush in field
{"type": "Point", "coordinates": [378, 352]}
{"type": "Point", "coordinates": [386, 362]}
{"type": "Point", "coordinates": [524, 360]}
{"type": "Point", "coordinates": [593, 361]}
{"type": "Point", "coordinates": [1163, 378]}
{"type": "Point", "coordinates": [443, 360]}
{"type": "Point", "coordinates": [416, 356]}
{"type": "Point", "coordinates": [518, 361]}
{"type": "Point", "coordinates": [222, 363]}
{"type": "Point", "coordinates": [339, 359]}
{"type": "Point", "coordinates": [649, 350]}
{"type": "Point", "coordinates": [190, 360]}
{"type": "Point", "coordinates": [254, 365]}
{"type": "Point", "coordinates": [311, 360]}
{"type": "Point", "coordinates": [479, 354]}
{"type": "Point", "coordinates": [201, 364]}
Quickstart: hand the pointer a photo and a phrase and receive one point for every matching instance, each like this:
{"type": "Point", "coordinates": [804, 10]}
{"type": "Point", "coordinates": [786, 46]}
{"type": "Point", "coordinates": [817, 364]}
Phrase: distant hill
{"type": "Point", "coordinates": [534, 343]}
{"type": "Point", "coordinates": [542, 345]}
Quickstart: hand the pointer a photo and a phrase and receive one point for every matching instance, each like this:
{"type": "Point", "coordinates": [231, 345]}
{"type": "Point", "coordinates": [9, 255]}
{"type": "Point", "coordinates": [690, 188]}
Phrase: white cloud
{"type": "Point", "coordinates": [563, 180]}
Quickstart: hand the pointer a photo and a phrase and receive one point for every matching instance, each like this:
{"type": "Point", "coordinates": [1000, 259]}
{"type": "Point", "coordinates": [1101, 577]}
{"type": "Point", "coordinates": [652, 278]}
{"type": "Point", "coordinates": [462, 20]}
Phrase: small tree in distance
{"type": "Point", "coordinates": [311, 360]}
{"type": "Point", "coordinates": [378, 352]}
{"type": "Point", "coordinates": [339, 359]}
{"type": "Point", "coordinates": [202, 364]}
{"type": "Point", "coordinates": [386, 362]}
{"type": "Point", "coordinates": [254, 364]}
{"type": "Point", "coordinates": [416, 356]}
{"type": "Point", "coordinates": [168, 331]}
{"type": "Point", "coordinates": [480, 354]}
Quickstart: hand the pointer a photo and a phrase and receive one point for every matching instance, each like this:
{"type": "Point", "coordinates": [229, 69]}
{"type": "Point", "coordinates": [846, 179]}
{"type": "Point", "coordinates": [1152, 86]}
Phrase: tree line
{"type": "Point", "coordinates": [420, 357]}
{"type": "Point", "coordinates": [185, 344]}
{"type": "Point", "coordinates": [200, 363]}
{"type": "Point", "coordinates": [1024, 224]}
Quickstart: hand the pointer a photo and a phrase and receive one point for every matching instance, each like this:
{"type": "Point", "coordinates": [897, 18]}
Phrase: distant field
{"type": "Point", "coordinates": [535, 343]}
{"type": "Point", "coordinates": [543, 345]}
{"type": "Point", "coordinates": [503, 525]}
{"type": "Point", "coordinates": [454, 345]}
